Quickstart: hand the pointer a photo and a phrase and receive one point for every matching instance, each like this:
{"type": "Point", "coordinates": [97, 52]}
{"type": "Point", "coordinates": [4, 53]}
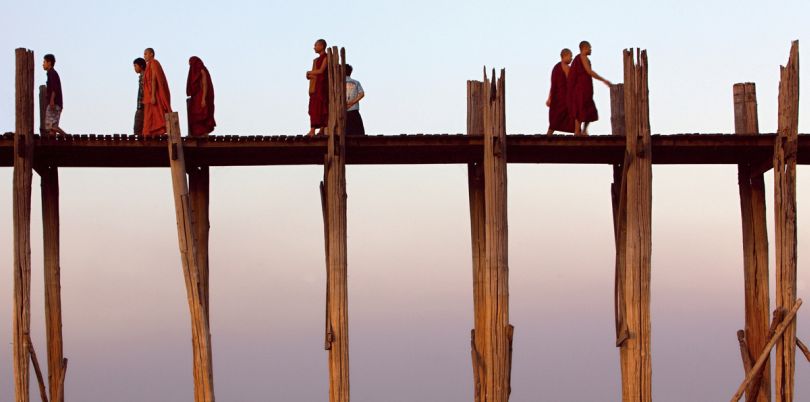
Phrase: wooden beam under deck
{"type": "Point", "coordinates": [130, 151]}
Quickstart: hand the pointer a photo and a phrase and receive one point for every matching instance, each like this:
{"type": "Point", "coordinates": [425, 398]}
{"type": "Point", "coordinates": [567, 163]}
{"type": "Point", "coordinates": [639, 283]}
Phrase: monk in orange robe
{"type": "Point", "coordinates": [200, 102]}
{"type": "Point", "coordinates": [156, 96]}
{"type": "Point", "coordinates": [580, 90]}
{"type": "Point", "coordinates": [559, 119]}
{"type": "Point", "coordinates": [318, 90]}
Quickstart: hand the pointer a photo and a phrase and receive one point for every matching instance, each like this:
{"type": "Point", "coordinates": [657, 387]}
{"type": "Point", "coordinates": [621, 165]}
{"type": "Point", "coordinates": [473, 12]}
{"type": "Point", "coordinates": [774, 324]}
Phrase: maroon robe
{"type": "Point", "coordinates": [319, 96]}
{"type": "Point", "coordinates": [580, 92]}
{"type": "Point", "coordinates": [200, 119]}
{"type": "Point", "coordinates": [558, 117]}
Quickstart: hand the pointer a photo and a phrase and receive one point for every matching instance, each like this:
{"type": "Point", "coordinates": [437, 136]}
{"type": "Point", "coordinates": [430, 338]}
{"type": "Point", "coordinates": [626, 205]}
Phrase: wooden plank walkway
{"type": "Point", "coordinates": [91, 150]}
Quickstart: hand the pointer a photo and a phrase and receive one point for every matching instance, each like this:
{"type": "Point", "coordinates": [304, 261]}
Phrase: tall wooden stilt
{"type": "Point", "coordinates": [784, 171]}
{"type": "Point", "coordinates": [618, 192]}
{"type": "Point", "coordinates": [492, 336]}
{"type": "Point", "coordinates": [43, 105]}
{"type": "Point", "coordinates": [53, 293]}
{"type": "Point", "coordinates": [23, 172]}
{"type": "Point", "coordinates": [755, 242]}
{"type": "Point", "coordinates": [635, 212]}
{"type": "Point", "coordinates": [198, 187]}
{"type": "Point", "coordinates": [334, 196]}
{"type": "Point", "coordinates": [475, 183]}
{"type": "Point", "coordinates": [186, 233]}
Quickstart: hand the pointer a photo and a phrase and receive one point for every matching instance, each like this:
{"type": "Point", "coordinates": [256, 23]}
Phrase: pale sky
{"type": "Point", "coordinates": [126, 324]}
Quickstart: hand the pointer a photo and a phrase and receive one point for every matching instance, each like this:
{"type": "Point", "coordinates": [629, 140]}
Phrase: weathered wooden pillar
{"type": "Point", "coordinates": [784, 183]}
{"type": "Point", "coordinates": [186, 233]}
{"type": "Point", "coordinates": [633, 235]}
{"type": "Point", "coordinates": [49, 176]}
{"type": "Point", "coordinates": [333, 195]}
{"type": "Point", "coordinates": [43, 106]}
{"type": "Point", "coordinates": [199, 189]}
{"type": "Point", "coordinates": [475, 184]}
{"type": "Point", "coordinates": [23, 172]}
{"type": "Point", "coordinates": [492, 337]}
{"type": "Point", "coordinates": [755, 242]}
{"type": "Point", "coordinates": [617, 198]}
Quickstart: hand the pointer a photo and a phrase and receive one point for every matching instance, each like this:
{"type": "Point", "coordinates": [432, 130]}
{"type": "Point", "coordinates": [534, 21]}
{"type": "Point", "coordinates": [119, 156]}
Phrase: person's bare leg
{"type": "Point", "coordinates": [577, 127]}
{"type": "Point", "coordinates": [311, 132]}
{"type": "Point", "coordinates": [322, 131]}
{"type": "Point", "coordinates": [585, 129]}
{"type": "Point", "coordinates": [59, 130]}
{"type": "Point", "coordinates": [550, 132]}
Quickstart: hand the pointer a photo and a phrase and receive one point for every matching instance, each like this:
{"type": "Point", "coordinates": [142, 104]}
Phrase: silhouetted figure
{"type": "Point", "coordinates": [200, 102]}
{"type": "Point", "coordinates": [318, 90]}
{"type": "Point", "coordinates": [139, 65]}
{"type": "Point", "coordinates": [580, 90]}
{"type": "Point", "coordinates": [559, 118]}
{"type": "Point", "coordinates": [354, 92]}
{"type": "Point", "coordinates": [158, 98]}
{"type": "Point", "coordinates": [53, 112]}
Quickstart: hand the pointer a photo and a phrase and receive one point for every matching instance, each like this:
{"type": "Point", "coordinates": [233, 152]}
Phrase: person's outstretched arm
{"type": "Point", "coordinates": [587, 64]}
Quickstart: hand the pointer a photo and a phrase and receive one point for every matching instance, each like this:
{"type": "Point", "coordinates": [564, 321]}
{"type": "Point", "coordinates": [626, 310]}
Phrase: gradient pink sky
{"type": "Point", "coordinates": [126, 324]}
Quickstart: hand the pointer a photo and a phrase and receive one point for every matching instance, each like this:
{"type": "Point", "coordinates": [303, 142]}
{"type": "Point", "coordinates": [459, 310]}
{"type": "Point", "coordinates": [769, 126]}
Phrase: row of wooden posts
{"type": "Point", "coordinates": [492, 337]}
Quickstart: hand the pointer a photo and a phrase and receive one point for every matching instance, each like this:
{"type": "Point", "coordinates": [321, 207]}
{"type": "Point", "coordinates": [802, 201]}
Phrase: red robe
{"type": "Point", "coordinates": [558, 117]}
{"type": "Point", "coordinates": [200, 119]}
{"type": "Point", "coordinates": [580, 92]}
{"type": "Point", "coordinates": [319, 97]}
{"type": "Point", "coordinates": [154, 116]}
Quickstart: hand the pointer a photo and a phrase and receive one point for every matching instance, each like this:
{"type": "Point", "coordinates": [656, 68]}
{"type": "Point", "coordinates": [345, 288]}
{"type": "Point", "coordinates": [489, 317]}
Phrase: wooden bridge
{"type": "Point", "coordinates": [486, 149]}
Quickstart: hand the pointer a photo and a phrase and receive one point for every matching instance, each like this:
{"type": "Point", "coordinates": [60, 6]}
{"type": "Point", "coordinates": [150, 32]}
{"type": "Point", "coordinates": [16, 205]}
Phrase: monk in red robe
{"type": "Point", "coordinates": [200, 102]}
{"type": "Point", "coordinates": [580, 90]}
{"type": "Point", "coordinates": [156, 96]}
{"type": "Point", "coordinates": [559, 119]}
{"type": "Point", "coordinates": [318, 90]}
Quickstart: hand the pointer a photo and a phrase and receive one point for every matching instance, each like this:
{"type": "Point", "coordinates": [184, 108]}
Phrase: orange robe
{"type": "Point", "coordinates": [154, 115]}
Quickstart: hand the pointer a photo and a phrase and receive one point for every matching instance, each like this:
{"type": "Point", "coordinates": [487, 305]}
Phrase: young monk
{"type": "Point", "coordinates": [580, 90]}
{"type": "Point", "coordinates": [200, 102]}
{"type": "Point", "coordinates": [559, 119]}
{"type": "Point", "coordinates": [318, 90]}
{"type": "Point", "coordinates": [157, 99]}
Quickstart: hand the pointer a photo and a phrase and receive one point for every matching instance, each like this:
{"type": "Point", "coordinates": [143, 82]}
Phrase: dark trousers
{"type": "Point", "coordinates": [138, 122]}
{"type": "Point", "coordinates": [354, 123]}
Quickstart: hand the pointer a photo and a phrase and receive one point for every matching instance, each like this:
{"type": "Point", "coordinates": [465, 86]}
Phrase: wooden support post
{"type": "Point", "coordinates": [334, 195]}
{"type": "Point", "coordinates": [634, 229]}
{"type": "Point", "coordinates": [475, 184]}
{"type": "Point", "coordinates": [186, 233]}
{"type": "Point", "coordinates": [755, 240]}
{"type": "Point", "coordinates": [617, 197]}
{"type": "Point", "coordinates": [198, 187]}
{"type": "Point", "coordinates": [784, 171]}
{"type": "Point", "coordinates": [43, 106]}
{"type": "Point", "coordinates": [53, 294]}
{"type": "Point", "coordinates": [492, 336]}
{"type": "Point", "coordinates": [23, 172]}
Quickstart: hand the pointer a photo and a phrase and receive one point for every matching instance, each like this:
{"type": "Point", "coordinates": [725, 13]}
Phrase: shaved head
{"type": "Point", "coordinates": [584, 44]}
{"type": "Point", "coordinates": [564, 52]}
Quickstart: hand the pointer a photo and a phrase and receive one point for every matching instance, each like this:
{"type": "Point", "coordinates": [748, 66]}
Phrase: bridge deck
{"type": "Point", "coordinates": [131, 151]}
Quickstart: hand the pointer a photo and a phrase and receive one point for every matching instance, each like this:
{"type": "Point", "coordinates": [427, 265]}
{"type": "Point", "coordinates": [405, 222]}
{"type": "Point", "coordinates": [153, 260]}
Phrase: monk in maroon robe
{"type": "Point", "coordinates": [559, 119]}
{"type": "Point", "coordinates": [580, 90]}
{"type": "Point", "coordinates": [156, 96]}
{"type": "Point", "coordinates": [318, 90]}
{"type": "Point", "coordinates": [200, 102]}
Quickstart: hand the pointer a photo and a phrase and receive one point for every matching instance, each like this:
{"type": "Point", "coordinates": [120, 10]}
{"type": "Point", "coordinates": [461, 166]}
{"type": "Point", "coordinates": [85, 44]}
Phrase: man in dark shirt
{"type": "Point", "coordinates": [139, 65]}
{"type": "Point", "coordinates": [54, 109]}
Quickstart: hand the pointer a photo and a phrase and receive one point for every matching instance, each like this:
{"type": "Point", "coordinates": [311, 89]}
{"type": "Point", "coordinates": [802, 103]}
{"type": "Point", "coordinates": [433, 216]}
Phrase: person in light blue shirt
{"type": "Point", "coordinates": [354, 92]}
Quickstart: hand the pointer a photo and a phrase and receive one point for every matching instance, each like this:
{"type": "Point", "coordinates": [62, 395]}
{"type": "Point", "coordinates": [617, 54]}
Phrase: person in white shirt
{"type": "Point", "coordinates": [354, 92]}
